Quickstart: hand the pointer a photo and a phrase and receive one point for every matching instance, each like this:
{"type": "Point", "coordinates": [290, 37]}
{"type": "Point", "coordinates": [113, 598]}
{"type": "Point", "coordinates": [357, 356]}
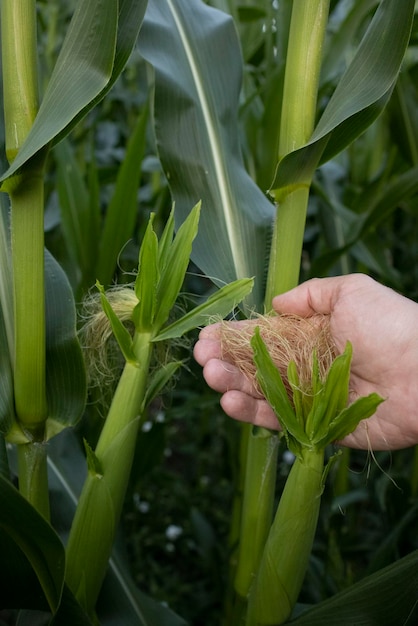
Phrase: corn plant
{"type": "Point", "coordinates": [203, 159]}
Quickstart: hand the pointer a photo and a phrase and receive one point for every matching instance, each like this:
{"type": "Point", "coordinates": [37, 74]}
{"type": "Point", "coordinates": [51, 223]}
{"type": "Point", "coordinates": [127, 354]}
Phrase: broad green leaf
{"type": "Point", "coordinates": [360, 96]}
{"type": "Point", "coordinates": [146, 282]}
{"type": "Point", "coordinates": [275, 392]}
{"type": "Point", "coordinates": [65, 373]}
{"type": "Point", "coordinates": [222, 302]}
{"type": "Point", "coordinates": [173, 273]}
{"type": "Point", "coordinates": [100, 38]}
{"type": "Point", "coordinates": [387, 597]}
{"type": "Point", "coordinates": [24, 532]}
{"type": "Point", "coordinates": [121, 334]}
{"type": "Point", "coordinates": [198, 141]}
{"type": "Point", "coordinates": [343, 29]}
{"type": "Point", "coordinates": [122, 211]}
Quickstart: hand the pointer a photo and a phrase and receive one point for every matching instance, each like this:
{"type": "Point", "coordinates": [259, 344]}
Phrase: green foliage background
{"type": "Point", "coordinates": [362, 217]}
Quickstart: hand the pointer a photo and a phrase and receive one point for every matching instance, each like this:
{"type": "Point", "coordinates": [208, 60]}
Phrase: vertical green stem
{"type": "Point", "coordinates": [20, 78]}
{"type": "Point", "coordinates": [100, 505]}
{"type": "Point", "coordinates": [303, 63]}
{"type": "Point", "coordinates": [29, 303]}
{"type": "Point", "coordinates": [20, 98]}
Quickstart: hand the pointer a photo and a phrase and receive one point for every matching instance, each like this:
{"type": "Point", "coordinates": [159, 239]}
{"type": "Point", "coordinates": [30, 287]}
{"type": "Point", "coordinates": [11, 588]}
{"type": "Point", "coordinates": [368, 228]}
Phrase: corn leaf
{"type": "Point", "coordinates": [122, 211]}
{"type": "Point", "coordinates": [198, 140]}
{"type": "Point", "coordinates": [24, 532]}
{"type": "Point", "coordinates": [389, 596]}
{"type": "Point", "coordinates": [99, 40]}
{"type": "Point", "coordinates": [361, 94]}
{"type": "Point", "coordinates": [65, 373]}
{"type": "Point", "coordinates": [219, 304]}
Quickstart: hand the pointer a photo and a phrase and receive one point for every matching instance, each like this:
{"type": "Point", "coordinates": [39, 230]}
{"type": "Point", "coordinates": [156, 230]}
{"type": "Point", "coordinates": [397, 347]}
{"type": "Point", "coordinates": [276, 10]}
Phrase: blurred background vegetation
{"type": "Point", "coordinates": [362, 218]}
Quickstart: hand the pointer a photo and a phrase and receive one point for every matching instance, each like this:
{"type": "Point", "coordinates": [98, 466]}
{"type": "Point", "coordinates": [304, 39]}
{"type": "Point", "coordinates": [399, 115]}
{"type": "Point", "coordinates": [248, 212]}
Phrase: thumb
{"type": "Point", "coordinates": [317, 295]}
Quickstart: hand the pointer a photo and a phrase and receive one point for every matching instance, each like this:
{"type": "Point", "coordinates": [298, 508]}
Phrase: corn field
{"type": "Point", "coordinates": [167, 164]}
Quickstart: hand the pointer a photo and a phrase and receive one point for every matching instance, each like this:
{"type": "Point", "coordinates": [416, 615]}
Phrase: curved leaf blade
{"type": "Point", "coordinates": [65, 373]}
{"type": "Point", "coordinates": [387, 597]}
{"type": "Point", "coordinates": [101, 36]}
{"type": "Point", "coordinates": [22, 528]}
{"type": "Point", "coordinates": [197, 136]}
{"type": "Point", "coordinates": [360, 96]}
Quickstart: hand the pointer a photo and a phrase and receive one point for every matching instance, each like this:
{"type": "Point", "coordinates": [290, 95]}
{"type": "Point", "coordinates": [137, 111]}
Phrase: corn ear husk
{"type": "Point", "coordinates": [286, 554]}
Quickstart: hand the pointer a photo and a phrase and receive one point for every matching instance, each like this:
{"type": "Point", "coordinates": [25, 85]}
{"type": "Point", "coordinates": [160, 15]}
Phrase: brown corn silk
{"type": "Point", "coordinates": [287, 338]}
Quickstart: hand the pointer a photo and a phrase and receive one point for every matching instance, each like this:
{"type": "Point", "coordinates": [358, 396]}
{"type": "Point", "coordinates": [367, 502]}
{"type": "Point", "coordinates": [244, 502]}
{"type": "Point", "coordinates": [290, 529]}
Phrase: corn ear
{"type": "Point", "coordinates": [286, 554]}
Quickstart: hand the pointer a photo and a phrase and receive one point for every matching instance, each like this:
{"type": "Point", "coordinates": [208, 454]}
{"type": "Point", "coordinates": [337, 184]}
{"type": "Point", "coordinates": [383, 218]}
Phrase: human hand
{"type": "Point", "coordinates": [383, 329]}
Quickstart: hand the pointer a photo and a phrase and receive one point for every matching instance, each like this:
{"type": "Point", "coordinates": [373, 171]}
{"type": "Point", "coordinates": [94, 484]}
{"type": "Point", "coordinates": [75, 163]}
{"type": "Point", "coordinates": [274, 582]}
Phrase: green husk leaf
{"type": "Point", "coordinates": [275, 392]}
{"type": "Point", "coordinates": [286, 554]}
{"type": "Point", "coordinates": [222, 302]}
{"type": "Point", "coordinates": [347, 421]}
{"type": "Point", "coordinates": [177, 261]}
{"type": "Point", "coordinates": [146, 282]}
{"type": "Point", "coordinates": [333, 396]}
{"type": "Point", "coordinates": [301, 400]}
{"type": "Point", "coordinates": [166, 240]}
{"type": "Point", "coordinates": [93, 464]}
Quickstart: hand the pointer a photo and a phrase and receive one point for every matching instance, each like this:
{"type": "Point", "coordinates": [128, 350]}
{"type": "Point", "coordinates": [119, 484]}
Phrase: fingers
{"type": "Point", "coordinates": [206, 349]}
{"type": "Point", "coordinates": [246, 408]}
{"type": "Point", "coordinates": [223, 376]}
